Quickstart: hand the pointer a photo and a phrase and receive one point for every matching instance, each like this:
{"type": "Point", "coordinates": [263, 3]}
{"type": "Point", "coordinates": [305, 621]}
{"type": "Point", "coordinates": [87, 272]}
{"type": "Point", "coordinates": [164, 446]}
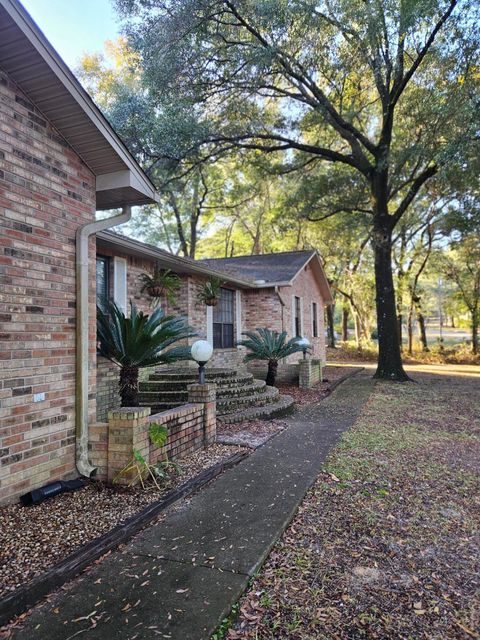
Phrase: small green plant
{"type": "Point", "coordinates": [142, 469]}
{"type": "Point", "coordinates": [163, 282]}
{"type": "Point", "coordinates": [209, 292]}
{"type": "Point", "coordinates": [264, 344]}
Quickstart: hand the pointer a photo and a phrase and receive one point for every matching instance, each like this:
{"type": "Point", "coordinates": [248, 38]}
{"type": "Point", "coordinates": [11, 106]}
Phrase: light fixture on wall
{"type": "Point", "coordinates": [304, 344]}
{"type": "Point", "coordinates": [202, 351]}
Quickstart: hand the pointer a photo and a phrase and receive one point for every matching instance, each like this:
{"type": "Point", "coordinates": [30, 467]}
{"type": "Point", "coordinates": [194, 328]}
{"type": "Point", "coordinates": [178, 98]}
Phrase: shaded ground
{"type": "Point", "coordinates": [386, 544]}
{"type": "Point", "coordinates": [254, 433]}
{"type": "Point", "coordinates": [349, 352]}
{"type": "Point", "coordinates": [321, 390]}
{"type": "Point", "coordinates": [32, 539]}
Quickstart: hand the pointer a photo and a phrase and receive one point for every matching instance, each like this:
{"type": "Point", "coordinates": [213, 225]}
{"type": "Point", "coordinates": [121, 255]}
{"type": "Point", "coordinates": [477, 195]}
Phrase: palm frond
{"type": "Point", "coordinates": [265, 344]}
{"type": "Point", "coordinates": [141, 340]}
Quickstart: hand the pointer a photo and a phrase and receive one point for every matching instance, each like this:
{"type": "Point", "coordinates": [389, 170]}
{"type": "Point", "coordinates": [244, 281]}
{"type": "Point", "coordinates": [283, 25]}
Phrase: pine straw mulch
{"type": "Point", "coordinates": [386, 544]}
{"type": "Point", "coordinates": [32, 539]}
{"type": "Point", "coordinates": [321, 389]}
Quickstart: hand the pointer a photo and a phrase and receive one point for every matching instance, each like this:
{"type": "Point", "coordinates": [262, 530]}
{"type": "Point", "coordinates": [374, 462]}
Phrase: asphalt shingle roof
{"type": "Point", "coordinates": [271, 267]}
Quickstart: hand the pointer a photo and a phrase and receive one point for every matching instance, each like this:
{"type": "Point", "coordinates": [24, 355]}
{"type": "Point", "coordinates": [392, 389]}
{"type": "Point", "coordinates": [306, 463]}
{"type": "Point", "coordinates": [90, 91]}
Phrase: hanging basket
{"type": "Point", "coordinates": [211, 302]}
{"type": "Point", "coordinates": [155, 291]}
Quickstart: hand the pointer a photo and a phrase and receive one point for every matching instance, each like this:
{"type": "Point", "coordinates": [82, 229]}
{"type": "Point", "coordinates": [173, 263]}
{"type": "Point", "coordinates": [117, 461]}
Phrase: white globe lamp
{"type": "Point", "coordinates": [304, 344]}
{"type": "Point", "coordinates": [201, 351]}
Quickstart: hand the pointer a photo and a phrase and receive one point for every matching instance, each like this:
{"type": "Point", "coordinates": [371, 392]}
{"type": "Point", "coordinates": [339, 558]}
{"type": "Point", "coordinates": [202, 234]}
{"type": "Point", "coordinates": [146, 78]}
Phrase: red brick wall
{"type": "Point", "coordinates": [262, 308]}
{"type": "Point", "coordinates": [306, 288]}
{"type": "Point", "coordinates": [46, 193]}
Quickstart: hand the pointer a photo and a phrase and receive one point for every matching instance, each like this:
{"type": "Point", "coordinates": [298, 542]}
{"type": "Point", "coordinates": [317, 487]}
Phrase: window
{"type": "Point", "coordinates": [298, 328]}
{"type": "Point", "coordinates": [103, 282]}
{"type": "Point", "coordinates": [314, 320]}
{"type": "Point", "coordinates": [223, 321]}
{"type": "Point", "coordinates": [120, 283]}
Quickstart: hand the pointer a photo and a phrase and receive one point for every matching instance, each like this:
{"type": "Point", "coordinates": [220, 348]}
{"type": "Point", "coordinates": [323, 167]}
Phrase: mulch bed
{"type": "Point", "coordinates": [32, 539]}
{"type": "Point", "coordinates": [386, 544]}
{"type": "Point", "coordinates": [319, 391]}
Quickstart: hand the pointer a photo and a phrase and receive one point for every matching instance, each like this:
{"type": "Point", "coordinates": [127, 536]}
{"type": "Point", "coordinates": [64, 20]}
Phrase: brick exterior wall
{"type": "Point", "coordinates": [306, 288]}
{"type": "Point", "coordinates": [46, 193]}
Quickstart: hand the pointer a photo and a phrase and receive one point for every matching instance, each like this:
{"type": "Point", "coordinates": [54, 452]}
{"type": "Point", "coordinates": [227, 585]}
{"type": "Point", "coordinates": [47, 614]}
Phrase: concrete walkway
{"type": "Point", "coordinates": [178, 578]}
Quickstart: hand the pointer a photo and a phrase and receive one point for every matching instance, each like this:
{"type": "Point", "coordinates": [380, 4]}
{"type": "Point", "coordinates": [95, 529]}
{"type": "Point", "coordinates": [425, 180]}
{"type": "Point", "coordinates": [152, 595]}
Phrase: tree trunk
{"type": "Point", "coordinates": [330, 326]}
{"type": "Point", "coordinates": [271, 373]}
{"type": "Point", "coordinates": [410, 330]}
{"type": "Point", "coordinates": [389, 356]}
{"type": "Point", "coordinates": [399, 324]}
{"type": "Point", "coordinates": [423, 330]}
{"type": "Point", "coordinates": [358, 331]}
{"type": "Point", "coordinates": [129, 386]}
{"type": "Point", "coordinates": [345, 323]}
{"type": "Point", "coordinates": [475, 323]}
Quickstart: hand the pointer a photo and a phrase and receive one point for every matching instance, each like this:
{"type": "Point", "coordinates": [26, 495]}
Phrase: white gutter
{"type": "Point", "coordinates": [81, 387]}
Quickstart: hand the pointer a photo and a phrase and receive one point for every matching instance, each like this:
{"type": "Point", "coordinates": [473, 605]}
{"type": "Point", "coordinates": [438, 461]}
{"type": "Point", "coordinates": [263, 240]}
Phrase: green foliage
{"type": "Point", "coordinates": [209, 291]}
{"type": "Point", "coordinates": [265, 344]}
{"type": "Point", "coordinates": [161, 282]}
{"type": "Point", "coordinates": [141, 340]}
{"type": "Point", "coordinates": [158, 434]}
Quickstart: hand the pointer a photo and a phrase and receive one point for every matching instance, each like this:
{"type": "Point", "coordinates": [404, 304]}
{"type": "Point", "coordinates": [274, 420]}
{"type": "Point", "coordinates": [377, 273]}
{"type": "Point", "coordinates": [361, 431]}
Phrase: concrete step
{"type": "Point", "coordinates": [284, 405]}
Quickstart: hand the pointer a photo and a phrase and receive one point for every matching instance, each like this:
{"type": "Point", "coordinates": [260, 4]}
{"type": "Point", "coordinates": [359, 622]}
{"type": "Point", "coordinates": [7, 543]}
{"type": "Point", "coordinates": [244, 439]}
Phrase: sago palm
{"type": "Point", "coordinates": [138, 341]}
{"type": "Point", "coordinates": [272, 346]}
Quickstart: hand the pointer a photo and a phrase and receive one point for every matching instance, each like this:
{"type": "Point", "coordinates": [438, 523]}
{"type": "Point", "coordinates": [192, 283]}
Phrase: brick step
{"type": "Point", "coordinates": [259, 399]}
{"type": "Point", "coordinates": [155, 384]}
{"type": "Point", "coordinates": [192, 374]}
{"type": "Point", "coordinates": [283, 406]}
{"type": "Point", "coordinates": [225, 406]}
{"type": "Point", "coordinates": [147, 394]}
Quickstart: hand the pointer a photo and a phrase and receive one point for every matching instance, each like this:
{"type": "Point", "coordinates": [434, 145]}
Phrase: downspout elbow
{"type": "Point", "coordinates": [82, 338]}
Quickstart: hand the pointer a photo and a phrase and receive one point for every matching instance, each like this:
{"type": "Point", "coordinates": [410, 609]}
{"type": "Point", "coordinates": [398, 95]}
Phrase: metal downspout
{"type": "Point", "coordinates": [282, 303]}
{"type": "Point", "coordinates": [82, 338]}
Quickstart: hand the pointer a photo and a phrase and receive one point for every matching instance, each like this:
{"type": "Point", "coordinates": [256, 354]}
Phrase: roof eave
{"type": "Point", "coordinates": [140, 189]}
{"type": "Point", "coordinates": [184, 265]}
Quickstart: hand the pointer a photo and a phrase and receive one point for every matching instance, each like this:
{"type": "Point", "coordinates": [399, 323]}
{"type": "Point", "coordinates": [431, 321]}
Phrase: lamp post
{"type": "Point", "coordinates": [304, 343]}
{"type": "Point", "coordinates": [201, 352]}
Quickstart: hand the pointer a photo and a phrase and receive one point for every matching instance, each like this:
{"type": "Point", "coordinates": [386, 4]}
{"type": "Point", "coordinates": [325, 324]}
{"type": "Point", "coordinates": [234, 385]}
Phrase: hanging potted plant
{"type": "Point", "coordinates": [163, 282]}
{"type": "Point", "coordinates": [209, 292]}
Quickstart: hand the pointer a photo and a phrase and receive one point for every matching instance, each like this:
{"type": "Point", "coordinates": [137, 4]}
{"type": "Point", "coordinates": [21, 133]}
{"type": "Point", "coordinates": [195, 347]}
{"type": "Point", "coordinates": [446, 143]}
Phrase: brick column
{"type": "Point", "coordinates": [305, 377]}
{"type": "Point", "coordinates": [318, 363]}
{"type": "Point", "coordinates": [206, 395]}
{"type": "Point", "coordinates": [127, 430]}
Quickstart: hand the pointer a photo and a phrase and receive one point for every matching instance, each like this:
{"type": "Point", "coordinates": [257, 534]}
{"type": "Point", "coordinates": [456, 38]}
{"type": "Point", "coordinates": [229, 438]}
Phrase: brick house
{"type": "Point", "coordinates": [282, 291]}
{"type": "Point", "coordinates": [60, 162]}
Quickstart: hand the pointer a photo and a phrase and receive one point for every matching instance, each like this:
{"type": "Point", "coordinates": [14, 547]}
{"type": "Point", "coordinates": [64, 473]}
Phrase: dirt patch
{"type": "Point", "coordinates": [251, 433]}
{"type": "Point", "coordinates": [32, 539]}
{"type": "Point", "coordinates": [386, 544]}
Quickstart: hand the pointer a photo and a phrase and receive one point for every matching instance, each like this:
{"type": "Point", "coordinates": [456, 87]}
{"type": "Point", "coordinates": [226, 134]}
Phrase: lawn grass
{"type": "Point", "coordinates": [385, 544]}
